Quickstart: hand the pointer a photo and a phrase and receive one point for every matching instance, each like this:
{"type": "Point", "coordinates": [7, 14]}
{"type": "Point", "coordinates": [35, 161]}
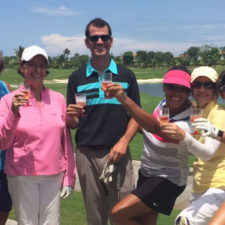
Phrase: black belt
{"type": "Point", "coordinates": [97, 147]}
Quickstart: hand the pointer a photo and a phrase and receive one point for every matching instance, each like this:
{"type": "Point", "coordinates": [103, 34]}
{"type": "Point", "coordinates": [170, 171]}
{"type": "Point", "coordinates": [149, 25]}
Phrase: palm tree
{"type": "Point", "coordinates": [66, 53]}
{"type": "Point", "coordinates": [18, 52]}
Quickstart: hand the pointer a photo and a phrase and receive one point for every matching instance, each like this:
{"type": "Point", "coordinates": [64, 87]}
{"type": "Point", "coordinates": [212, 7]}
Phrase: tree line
{"type": "Point", "coordinates": [195, 56]}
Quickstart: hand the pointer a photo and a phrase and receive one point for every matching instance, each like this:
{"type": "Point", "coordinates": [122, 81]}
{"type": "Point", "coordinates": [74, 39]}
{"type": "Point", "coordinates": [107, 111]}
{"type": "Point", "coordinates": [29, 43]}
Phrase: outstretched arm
{"type": "Point", "coordinates": [139, 117]}
{"type": "Point", "coordinates": [143, 118]}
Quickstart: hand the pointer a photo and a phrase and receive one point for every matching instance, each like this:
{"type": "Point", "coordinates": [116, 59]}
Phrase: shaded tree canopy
{"type": "Point", "coordinates": [194, 56]}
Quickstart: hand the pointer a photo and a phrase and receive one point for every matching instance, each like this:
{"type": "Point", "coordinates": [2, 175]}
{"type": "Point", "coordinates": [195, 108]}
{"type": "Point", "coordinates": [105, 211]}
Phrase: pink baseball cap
{"type": "Point", "coordinates": [179, 77]}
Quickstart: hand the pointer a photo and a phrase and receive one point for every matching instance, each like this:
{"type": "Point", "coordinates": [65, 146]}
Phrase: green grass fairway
{"type": "Point", "coordinates": [73, 212]}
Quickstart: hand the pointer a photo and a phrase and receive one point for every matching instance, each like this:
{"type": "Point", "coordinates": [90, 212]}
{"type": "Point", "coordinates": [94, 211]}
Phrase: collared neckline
{"type": "Point", "coordinates": [112, 67]}
{"type": "Point", "coordinates": [44, 92]}
{"type": "Point", "coordinates": [207, 109]}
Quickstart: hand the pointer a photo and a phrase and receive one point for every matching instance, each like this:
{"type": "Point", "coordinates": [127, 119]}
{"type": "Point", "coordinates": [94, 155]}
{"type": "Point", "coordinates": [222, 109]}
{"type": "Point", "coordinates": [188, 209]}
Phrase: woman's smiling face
{"type": "Point", "coordinates": [34, 70]}
{"type": "Point", "coordinates": [203, 95]}
{"type": "Point", "coordinates": [176, 97]}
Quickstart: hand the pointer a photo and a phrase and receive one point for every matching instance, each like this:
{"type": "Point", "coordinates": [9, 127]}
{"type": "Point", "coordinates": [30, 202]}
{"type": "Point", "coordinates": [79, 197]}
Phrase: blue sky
{"type": "Point", "coordinates": [152, 25]}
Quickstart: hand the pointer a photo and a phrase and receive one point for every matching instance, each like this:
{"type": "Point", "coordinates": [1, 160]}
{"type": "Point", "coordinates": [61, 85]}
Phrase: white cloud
{"type": "Point", "coordinates": [56, 44]}
{"type": "Point", "coordinates": [60, 11]}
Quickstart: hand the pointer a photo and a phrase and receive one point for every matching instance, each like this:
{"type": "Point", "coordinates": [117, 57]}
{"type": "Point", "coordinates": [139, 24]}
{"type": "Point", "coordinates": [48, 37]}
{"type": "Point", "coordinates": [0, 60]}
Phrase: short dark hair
{"type": "Point", "coordinates": [183, 68]}
{"type": "Point", "coordinates": [97, 22]}
{"type": "Point", "coordinates": [2, 64]}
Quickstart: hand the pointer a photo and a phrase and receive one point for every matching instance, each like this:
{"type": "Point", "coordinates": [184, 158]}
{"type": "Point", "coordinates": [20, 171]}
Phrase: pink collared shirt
{"type": "Point", "coordinates": [38, 142]}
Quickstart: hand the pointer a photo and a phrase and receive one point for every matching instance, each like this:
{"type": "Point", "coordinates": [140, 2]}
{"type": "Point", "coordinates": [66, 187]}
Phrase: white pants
{"type": "Point", "coordinates": [203, 206]}
{"type": "Point", "coordinates": [36, 199]}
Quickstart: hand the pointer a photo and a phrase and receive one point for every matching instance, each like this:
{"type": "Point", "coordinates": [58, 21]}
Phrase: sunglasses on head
{"type": "Point", "coordinates": [95, 38]}
{"type": "Point", "coordinates": [206, 85]}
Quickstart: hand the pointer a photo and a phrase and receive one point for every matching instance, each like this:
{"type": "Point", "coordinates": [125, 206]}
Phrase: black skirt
{"type": "Point", "coordinates": [158, 193]}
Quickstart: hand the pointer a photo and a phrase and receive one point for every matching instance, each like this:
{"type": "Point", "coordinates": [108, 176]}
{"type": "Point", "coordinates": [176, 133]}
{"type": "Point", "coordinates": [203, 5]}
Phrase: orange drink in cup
{"type": "Point", "coordinates": [106, 79]}
{"type": "Point", "coordinates": [25, 88]}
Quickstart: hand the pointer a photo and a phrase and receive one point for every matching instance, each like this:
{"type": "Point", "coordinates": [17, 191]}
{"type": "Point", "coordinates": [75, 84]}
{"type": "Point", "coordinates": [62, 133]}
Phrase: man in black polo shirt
{"type": "Point", "coordinates": [104, 132]}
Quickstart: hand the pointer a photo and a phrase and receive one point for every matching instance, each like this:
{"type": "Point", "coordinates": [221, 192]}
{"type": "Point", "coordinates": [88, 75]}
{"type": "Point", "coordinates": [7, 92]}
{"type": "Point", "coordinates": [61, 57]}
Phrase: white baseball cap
{"type": "Point", "coordinates": [204, 71]}
{"type": "Point", "coordinates": [32, 51]}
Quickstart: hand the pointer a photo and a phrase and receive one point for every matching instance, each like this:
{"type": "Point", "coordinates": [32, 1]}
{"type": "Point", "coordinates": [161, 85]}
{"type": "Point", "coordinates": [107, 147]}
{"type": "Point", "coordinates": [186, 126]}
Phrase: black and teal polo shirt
{"type": "Point", "coordinates": [106, 119]}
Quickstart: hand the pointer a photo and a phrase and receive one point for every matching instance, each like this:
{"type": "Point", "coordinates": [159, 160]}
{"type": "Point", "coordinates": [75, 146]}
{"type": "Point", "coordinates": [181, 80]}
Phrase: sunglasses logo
{"type": "Point", "coordinates": [95, 38]}
{"type": "Point", "coordinates": [206, 85]}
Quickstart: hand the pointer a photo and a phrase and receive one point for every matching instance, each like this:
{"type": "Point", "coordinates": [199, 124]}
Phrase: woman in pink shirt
{"type": "Point", "coordinates": [40, 164]}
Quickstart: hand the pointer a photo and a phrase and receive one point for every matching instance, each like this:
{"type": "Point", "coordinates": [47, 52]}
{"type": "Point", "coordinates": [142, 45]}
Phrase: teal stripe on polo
{"type": "Point", "coordinates": [99, 101]}
{"type": "Point", "coordinates": [97, 85]}
{"type": "Point", "coordinates": [100, 92]}
{"type": "Point", "coordinates": [124, 84]}
{"type": "Point", "coordinates": [89, 86]}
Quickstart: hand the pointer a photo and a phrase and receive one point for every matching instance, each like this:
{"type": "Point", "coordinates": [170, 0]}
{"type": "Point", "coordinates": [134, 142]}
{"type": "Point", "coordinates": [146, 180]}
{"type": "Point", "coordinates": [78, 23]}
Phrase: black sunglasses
{"type": "Point", "coordinates": [95, 38]}
{"type": "Point", "coordinates": [206, 85]}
